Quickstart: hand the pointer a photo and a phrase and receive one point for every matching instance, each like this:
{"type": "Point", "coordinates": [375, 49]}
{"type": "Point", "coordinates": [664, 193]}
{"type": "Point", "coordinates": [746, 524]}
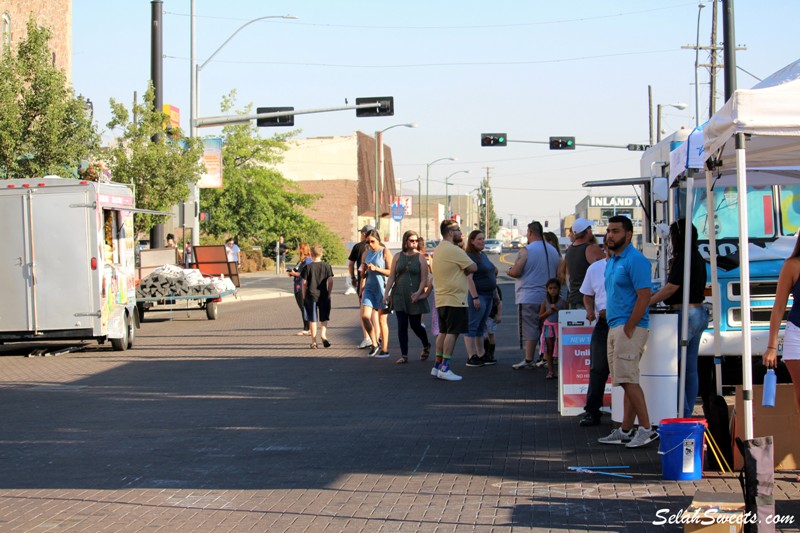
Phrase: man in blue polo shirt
{"type": "Point", "coordinates": [628, 286]}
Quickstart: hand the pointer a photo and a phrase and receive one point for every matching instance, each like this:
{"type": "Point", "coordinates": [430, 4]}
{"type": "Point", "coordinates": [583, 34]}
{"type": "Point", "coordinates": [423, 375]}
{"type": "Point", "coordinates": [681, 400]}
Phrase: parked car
{"type": "Point", "coordinates": [430, 245]}
{"type": "Point", "coordinates": [493, 246]}
{"type": "Point", "coordinates": [516, 244]}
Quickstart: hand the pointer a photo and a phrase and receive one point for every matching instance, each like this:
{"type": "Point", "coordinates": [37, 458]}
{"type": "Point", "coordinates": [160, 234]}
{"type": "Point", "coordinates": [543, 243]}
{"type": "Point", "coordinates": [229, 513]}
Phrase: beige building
{"type": "Point", "coordinates": [55, 15]}
{"type": "Point", "coordinates": [600, 208]}
{"type": "Point", "coordinates": [341, 171]}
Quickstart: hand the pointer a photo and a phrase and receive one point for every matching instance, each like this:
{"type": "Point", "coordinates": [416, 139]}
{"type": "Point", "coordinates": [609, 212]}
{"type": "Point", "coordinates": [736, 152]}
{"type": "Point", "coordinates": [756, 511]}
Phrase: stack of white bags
{"type": "Point", "coordinates": [170, 281]}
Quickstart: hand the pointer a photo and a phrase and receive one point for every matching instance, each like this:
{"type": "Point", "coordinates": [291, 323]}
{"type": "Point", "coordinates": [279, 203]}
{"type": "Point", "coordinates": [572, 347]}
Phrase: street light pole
{"type": "Point", "coordinates": [680, 105]}
{"type": "Point", "coordinates": [193, 97]}
{"type": "Point", "coordinates": [447, 191]}
{"type": "Point", "coordinates": [379, 167]}
{"type": "Point", "coordinates": [428, 192]}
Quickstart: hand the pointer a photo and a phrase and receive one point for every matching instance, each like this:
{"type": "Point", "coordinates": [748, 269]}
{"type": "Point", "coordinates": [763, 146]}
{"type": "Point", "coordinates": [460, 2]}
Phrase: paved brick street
{"type": "Point", "coordinates": [236, 425]}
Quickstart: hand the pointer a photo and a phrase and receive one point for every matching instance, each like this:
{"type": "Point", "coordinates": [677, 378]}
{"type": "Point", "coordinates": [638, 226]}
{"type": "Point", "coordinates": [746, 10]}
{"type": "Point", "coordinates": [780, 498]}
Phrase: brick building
{"type": "Point", "coordinates": [341, 170]}
{"type": "Point", "coordinates": [55, 15]}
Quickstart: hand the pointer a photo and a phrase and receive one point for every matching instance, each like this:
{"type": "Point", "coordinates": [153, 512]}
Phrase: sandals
{"type": "Point", "coordinates": [313, 345]}
{"type": "Point", "coordinates": [403, 360]}
{"type": "Point", "coordinates": [302, 333]}
{"type": "Point", "coordinates": [325, 343]}
{"type": "Point", "coordinates": [426, 351]}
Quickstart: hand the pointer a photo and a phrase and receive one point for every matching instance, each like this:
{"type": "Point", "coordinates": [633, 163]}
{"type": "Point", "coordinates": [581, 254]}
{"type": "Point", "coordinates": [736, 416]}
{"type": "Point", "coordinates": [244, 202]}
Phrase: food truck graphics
{"type": "Point", "coordinates": [68, 261]}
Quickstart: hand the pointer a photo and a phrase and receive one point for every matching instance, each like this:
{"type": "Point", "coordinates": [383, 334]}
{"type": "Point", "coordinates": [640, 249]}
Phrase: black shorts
{"type": "Point", "coordinates": [453, 320]}
{"type": "Point", "coordinates": [317, 311]}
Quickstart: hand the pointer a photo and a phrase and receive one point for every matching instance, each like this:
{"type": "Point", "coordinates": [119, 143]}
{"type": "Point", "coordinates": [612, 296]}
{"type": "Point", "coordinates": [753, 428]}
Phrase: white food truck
{"type": "Point", "coordinates": [67, 263]}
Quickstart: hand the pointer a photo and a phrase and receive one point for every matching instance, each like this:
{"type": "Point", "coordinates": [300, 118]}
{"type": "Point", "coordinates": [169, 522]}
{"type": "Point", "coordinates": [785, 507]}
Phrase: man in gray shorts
{"type": "Point", "coordinates": [535, 264]}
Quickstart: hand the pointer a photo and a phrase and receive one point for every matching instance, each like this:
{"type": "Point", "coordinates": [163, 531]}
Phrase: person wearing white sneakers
{"type": "Point", "coordinates": [628, 285]}
{"type": "Point", "coordinates": [354, 268]}
{"type": "Point", "coordinates": [451, 266]}
{"type": "Point", "coordinates": [535, 264]}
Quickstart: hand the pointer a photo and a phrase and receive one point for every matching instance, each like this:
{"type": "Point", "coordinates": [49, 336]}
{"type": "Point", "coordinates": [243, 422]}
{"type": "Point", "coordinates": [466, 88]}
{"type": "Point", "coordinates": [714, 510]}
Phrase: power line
{"type": "Point", "coordinates": [429, 65]}
{"type": "Point", "coordinates": [464, 27]}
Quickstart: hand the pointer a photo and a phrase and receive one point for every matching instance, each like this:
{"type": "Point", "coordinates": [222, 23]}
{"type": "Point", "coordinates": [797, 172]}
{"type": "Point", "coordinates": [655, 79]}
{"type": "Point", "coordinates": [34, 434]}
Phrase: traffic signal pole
{"type": "Point", "coordinates": [629, 147]}
{"type": "Point", "coordinates": [208, 122]}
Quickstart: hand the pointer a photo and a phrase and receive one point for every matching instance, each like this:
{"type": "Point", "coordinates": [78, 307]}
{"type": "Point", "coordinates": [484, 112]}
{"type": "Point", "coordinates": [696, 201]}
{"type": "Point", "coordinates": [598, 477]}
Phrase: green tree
{"type": "Point", "coordinates": [257, 203]}
{"type": "Point", "coordinates": [159, 166]}
{"type": "Point", "coordinates": [44, 128]}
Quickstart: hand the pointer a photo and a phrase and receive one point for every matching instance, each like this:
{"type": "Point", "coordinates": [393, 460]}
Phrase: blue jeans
{"type": "Point", "coordinates": [477, 317]}
{"type": "Point", "coordinates": [698, 322]}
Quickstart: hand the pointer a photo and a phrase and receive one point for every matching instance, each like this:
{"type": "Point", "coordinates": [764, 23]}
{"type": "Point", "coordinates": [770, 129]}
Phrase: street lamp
{"type": "Point", "coordinates": [418, 208]}
{"type": "Point", "coordinates": [700, 7]}
{"type": "Point", "coordinates": [446, 190]}
{"type": "Point", "coordinates": [428, 191]}
{"type": "Point", "coordinates": [680, 105]}
{"type": "Point", "coordinates": [194, 80]}
{"type": "Point", "coordinates": [379, 167]}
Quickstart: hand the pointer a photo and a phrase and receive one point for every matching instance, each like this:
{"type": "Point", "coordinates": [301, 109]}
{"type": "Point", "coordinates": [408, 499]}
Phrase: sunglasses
{"type": "Point", "coordinates": [372, 241]}
{"type": "Point", "coordinates": [413, 240]}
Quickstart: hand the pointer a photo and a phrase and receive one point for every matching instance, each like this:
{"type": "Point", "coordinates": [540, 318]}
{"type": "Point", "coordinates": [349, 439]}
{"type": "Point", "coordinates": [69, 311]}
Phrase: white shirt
{"type": "Point", "coordinates": [594, 284]}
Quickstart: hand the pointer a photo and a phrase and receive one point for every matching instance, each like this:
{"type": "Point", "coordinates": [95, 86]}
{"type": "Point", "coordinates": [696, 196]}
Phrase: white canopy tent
{"type": "Point", "coordinates": [753, 139]}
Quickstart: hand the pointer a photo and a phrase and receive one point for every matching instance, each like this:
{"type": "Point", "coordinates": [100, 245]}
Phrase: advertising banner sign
{"type": "Point", "coordinates": [575, 334]}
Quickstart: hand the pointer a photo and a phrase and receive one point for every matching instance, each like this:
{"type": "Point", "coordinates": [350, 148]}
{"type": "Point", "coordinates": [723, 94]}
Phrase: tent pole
{"type": "Point", "coordinates": [687, 274]}
{"type": "Point", "coordinates": [715, 288]}
{"type": "Point", "coordinates": [744, 267]}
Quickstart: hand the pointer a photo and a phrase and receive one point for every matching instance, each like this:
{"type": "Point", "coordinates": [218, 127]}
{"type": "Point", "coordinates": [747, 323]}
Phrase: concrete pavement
{"type": "Point", "coordinates": [236, 425]}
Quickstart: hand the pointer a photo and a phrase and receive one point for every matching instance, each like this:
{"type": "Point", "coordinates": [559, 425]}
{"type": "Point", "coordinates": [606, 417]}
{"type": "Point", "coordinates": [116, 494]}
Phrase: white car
{"type": "Point", "coordinates": [493, 246]}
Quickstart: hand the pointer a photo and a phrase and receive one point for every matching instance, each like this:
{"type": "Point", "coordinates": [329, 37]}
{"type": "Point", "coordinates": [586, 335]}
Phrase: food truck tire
{"type": "Point", "coordinates": [212, 311]}
{"type": "Point", "coordinates": [124, 342]}
{"type": "Point", "coordinates": [140, 308]}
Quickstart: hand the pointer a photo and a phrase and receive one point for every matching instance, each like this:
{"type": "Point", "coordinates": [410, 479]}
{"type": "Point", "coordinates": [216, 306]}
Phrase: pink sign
{"type": "Point", "coordinates": [575, 334]}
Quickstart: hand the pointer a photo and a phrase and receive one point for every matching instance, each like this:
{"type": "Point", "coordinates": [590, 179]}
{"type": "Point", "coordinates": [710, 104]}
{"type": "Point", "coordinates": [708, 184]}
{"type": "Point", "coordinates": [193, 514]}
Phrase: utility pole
{"type": "Point", "coordinates": [712, 81]}
{"type": "Point", "coordinates": [157, 78]}
{"type": "Point", "coordinates": [650, 114]}
{"type": "Point", "coordinates": [486, 201]}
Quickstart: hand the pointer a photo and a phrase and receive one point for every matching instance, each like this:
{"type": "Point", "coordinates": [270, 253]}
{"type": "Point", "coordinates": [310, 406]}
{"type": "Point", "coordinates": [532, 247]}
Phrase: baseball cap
{"type": "Point", "coordinates": [580, 225]}
{"type": "Point", "coordinates": [367, 228]}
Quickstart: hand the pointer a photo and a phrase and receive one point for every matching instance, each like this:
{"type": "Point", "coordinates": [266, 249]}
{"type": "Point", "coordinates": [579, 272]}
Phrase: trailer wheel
{"type": "Point", "coordinates": [140, 308]}
{"type": "Point", "coordinates": [123, 343]}
{"type": "Point", "coordinates": [212, 311]}
{"type": "Point", "coordinates": [131, 330]}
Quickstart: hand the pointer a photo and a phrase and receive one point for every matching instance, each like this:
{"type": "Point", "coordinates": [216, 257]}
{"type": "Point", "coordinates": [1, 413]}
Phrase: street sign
{"type": "Point", "coordinates": [398, 212]}
{"type": "Point", "coordinates": [638, 147]}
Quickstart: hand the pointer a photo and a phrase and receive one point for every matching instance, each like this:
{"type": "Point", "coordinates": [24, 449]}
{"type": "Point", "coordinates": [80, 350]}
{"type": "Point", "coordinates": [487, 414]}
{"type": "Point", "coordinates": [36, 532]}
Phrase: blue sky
{"type": "Point", "coordinates": [531, 69]}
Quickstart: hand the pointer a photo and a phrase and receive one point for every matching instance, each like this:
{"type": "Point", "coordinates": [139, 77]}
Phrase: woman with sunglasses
{"type": "Point", "coordinates": [375, 267]}
{"type": "Point", "coordinates": [407, 294]}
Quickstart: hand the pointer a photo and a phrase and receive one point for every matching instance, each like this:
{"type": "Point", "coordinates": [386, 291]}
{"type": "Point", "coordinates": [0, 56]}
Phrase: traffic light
{"type": "Point", "coordinates": [386, 108]}
{"type": "Point", "coordinates": [493, 139]}
{"type": "Point", "coordinates": [287, 120]}
{"type": "Point", "coordinates": [562, 143]}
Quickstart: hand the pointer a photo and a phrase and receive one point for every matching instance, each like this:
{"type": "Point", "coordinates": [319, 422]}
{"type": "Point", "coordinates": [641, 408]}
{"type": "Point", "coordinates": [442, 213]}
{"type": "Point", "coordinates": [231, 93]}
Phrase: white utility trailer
{"type": "Point", "coordinates": [67, 262]}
